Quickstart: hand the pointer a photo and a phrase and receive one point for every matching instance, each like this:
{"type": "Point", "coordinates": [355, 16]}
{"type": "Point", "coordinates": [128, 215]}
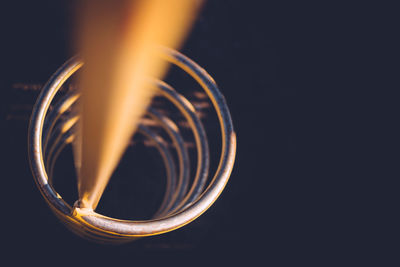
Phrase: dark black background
{"type": "Point", "coordinates": [304, 83]}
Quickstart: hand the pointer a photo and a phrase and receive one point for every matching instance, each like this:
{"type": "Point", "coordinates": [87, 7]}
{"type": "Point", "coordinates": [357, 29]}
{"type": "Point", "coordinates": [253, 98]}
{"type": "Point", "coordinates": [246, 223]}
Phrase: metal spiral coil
{"type": "Point", "coordinates": [51, 130]}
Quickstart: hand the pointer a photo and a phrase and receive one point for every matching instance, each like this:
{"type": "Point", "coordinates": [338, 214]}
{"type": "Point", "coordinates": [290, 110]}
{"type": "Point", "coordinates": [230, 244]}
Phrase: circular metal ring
{"type": "Point", "coordinates": [102, 228]}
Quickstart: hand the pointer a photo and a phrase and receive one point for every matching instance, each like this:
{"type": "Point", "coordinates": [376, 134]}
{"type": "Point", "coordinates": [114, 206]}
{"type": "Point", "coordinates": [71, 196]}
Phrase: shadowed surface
{"type": "Point", "coordinates": [296, 77]}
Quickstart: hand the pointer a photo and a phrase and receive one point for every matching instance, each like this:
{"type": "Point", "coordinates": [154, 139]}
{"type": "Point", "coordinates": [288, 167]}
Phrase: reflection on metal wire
{"type": "Point", "coordinates": [50, 132]}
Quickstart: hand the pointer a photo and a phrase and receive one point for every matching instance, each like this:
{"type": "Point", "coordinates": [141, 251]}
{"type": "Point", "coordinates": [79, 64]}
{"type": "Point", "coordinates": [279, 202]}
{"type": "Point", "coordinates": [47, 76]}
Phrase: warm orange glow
{"type": "Point", "coordinates": [117, 40]}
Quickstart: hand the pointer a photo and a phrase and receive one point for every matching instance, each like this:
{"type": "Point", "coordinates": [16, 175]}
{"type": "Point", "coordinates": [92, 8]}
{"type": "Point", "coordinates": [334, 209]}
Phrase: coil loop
{"type": "Point", "coordinates": [51, 130]}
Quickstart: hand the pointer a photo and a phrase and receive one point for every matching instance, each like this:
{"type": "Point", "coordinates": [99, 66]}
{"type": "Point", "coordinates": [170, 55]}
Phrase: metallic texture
{"type": "Point", "coordinates": [51, 130]}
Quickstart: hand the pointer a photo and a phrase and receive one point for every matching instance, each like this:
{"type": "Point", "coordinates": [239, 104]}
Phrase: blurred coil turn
{"type": "Point", "coordinates": [52, 129]}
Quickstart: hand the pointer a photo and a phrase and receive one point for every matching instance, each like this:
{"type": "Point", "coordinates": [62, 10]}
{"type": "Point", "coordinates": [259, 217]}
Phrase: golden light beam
{"type": "Point", "coordinates": [117, 42]}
